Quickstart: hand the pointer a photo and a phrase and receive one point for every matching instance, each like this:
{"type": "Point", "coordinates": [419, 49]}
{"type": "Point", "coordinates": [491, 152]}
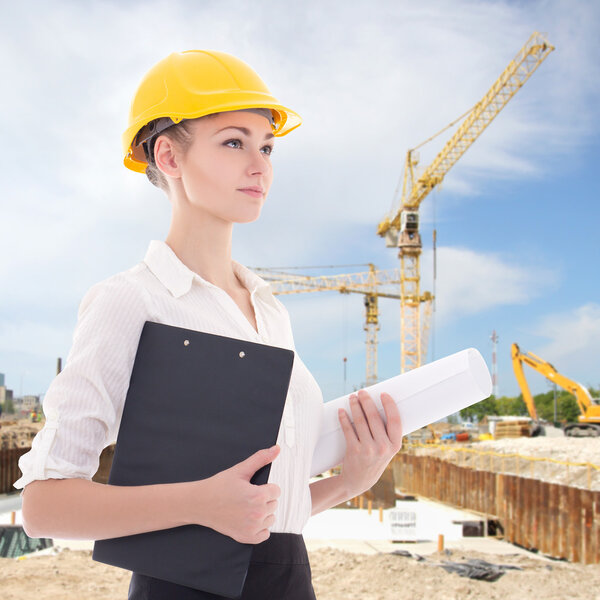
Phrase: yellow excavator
{"type": "Point", "coordinates": [588, 424]}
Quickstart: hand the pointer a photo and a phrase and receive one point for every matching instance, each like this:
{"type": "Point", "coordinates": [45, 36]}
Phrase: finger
{"type": "Point", "coordinates": [255, 461]}
{"type": "Point", "coordinates": [393, 420]}
{"type": "Point", "coordinates": [272, 506]}
{"type": "Point", "coordinates": [347, 428]}
{"type": "Point", "coordinates": [268, 520]}
{"type": "Point", "coordinates": [262, 536]}
{"type": "Point", "coordinates": [273, 491]}
{"type": "Point", "coordinates": [360, 420]}
{"type": "Point", "coordinates": [374, 420]}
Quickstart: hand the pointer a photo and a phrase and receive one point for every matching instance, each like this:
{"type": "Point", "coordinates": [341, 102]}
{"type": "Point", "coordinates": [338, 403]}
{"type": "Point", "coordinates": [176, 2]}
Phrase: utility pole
{"type": "Point", "coordinates": [494, 339]}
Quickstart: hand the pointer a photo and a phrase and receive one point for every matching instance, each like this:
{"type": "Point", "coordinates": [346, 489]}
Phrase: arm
{"type": "Point", "coordinates": [327, 492]}
{"type": "Point", "coordinates": [84, 509]}
{"type": "Point", "coordinates": [370, 445]}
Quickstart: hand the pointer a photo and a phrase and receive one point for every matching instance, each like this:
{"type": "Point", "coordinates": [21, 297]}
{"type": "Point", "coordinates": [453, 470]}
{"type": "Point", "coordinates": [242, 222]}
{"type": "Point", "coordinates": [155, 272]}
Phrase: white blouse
{"type": "Point", "coordinates": [84, 403]}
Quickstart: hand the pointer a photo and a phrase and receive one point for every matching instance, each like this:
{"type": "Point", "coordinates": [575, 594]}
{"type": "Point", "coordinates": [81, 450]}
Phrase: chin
{"type": "Point", "coordinates": [251, 214]}
{"type": "Point", "coordinates": [248, 219]}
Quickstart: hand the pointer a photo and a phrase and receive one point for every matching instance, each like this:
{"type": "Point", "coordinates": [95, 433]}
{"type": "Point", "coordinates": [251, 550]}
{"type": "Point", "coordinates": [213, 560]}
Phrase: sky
{"type": "Point", "coordinates": [516, 218]}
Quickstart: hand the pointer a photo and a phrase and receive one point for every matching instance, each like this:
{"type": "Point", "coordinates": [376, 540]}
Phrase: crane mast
{"type": "Point", "coordinates": [401, 229]}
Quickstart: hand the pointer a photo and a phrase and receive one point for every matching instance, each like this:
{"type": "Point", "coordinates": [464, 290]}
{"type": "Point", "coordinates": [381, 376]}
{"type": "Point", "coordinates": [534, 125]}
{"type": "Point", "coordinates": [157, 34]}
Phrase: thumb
{"type": "Point", "coordinates": [255, 461]}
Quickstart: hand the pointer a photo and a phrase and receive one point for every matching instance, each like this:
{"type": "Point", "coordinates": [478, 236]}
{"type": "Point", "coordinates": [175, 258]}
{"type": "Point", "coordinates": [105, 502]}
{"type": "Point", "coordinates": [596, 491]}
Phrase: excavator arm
{"type": "Point", "coordinates": [517, 358]}
{"type": "Point", "coordinates": [589, 419]}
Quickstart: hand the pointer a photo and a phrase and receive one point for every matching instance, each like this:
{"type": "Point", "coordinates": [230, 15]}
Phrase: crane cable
{"type": "Point", "coordinates": [345, 338]}
{"type": "Point", "coordinates": [445, 128]}
{"type": "Point", "coordinates": [434, 291]}
{"type": "Point", "coordinates": [400, 179]}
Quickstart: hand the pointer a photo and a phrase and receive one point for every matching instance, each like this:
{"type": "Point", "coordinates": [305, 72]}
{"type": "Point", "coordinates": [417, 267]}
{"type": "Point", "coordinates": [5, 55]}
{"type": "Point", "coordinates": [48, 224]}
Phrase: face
{"type": "Point", "coordinates": [230, 153]}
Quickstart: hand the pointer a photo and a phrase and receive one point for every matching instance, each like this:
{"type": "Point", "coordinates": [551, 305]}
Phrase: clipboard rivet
{"type": "Point", "coordinates": [186, 342]}
{"type": "Point", "coordinates": [242, 354]}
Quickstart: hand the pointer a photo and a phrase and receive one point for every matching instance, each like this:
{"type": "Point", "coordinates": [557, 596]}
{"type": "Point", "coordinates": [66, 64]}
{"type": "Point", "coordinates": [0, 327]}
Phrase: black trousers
{"type": "Point", "coordinates": [279, 570]}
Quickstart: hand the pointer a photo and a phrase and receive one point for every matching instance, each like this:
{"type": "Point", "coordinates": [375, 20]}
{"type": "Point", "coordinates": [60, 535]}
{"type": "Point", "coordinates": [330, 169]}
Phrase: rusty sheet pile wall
{"type": "Point", "coordinates": [9, 468]}
{"type": "Point", "coordinates": [557, 520]}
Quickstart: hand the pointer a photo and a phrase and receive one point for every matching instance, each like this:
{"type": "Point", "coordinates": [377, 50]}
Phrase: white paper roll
{"type": "Point", "coordinates": [423, 396]}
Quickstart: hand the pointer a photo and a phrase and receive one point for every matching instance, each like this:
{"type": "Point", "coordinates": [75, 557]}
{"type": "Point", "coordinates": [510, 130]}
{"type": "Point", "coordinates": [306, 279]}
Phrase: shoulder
{"type": "Point", "coordinates": [280, 305]}
{"type": "Point", "coordinates": [123, 292]}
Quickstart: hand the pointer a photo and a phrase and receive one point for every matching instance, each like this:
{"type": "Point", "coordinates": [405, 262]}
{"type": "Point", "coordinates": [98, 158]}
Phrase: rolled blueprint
{"type": "Point", "coordinates": [423, 396]}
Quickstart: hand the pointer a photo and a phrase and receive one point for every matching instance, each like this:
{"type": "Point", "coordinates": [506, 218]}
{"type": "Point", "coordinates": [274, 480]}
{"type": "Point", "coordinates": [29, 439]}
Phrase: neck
{"type": "Point", "coordinates": [203, 244]}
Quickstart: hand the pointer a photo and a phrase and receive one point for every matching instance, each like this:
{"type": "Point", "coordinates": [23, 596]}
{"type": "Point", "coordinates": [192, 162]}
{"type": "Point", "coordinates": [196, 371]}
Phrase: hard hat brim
{"type": "Point", "coordinates": [288, 121]}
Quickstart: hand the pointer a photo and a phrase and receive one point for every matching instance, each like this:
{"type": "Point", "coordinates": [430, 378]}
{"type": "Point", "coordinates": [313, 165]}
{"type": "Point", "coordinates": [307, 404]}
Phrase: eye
{"type": "Point", "coordinates": [268, 149]}
{"type": "Point", "coordinates": [233, 142]}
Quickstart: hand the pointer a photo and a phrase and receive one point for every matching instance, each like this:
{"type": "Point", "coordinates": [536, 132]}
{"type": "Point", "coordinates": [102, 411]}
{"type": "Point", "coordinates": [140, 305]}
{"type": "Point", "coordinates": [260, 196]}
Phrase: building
{"type": "Point", "coordinates": [6, 400]}
{"type": "Point", "coordinates": [28, 403]}
{"type": "Point", "coordinates": [5, 394]}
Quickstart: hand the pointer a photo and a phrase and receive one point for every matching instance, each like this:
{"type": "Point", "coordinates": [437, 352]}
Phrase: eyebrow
{"type": "Point", "coordinates": [244, 130]}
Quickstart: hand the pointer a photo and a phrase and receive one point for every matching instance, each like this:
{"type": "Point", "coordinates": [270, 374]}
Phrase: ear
{"type": "Point", "coordinates": [165, 157]}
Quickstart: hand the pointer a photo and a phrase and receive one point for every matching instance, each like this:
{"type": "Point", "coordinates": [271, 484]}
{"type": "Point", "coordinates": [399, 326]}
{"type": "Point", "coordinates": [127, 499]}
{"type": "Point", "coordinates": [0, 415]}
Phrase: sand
{"type": "Point", "coordinates": [337, 575]}
{"type": "Point", "coordinates": [489, 456]}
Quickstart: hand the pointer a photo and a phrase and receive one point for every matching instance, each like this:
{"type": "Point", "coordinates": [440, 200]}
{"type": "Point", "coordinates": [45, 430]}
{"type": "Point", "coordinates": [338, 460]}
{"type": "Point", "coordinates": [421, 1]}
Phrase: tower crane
{"type": "Point", "coordinates": [401, 228]}
{"type": "Point", "coordinates": [372, 284]}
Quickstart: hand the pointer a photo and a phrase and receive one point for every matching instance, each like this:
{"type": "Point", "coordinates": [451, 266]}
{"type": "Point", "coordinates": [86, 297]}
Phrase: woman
{"type": "Point", "coordinates": [202, 127]}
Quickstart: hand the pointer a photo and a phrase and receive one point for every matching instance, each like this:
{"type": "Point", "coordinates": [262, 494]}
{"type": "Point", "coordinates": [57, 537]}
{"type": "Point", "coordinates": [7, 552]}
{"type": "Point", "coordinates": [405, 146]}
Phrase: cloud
{"type": "Point", "coordinates": [573, 342]}
{"type": "Point", "coordinates": [370, 80]}
{"type": "Point", "coordinates": [470, 282]}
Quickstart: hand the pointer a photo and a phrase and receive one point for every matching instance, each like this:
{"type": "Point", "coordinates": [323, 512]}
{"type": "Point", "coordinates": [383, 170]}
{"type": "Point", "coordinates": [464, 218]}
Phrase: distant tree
{"type": "Point", "coordinates": [566, 406]}
{"type": "Point", "coordinates": [568, 410]}
{"type": "Point", "coordinates": [544, 404]}
{"type": "Point", "coordinates": [480, 410]}
{"type": "Point", "coordinates": [511, 406]}
{"type": "Point", "coordinates": [594, 392]}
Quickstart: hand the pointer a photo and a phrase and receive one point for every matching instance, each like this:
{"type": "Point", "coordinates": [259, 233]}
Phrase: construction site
{"type": "Point", "coordinates": [501, 500]}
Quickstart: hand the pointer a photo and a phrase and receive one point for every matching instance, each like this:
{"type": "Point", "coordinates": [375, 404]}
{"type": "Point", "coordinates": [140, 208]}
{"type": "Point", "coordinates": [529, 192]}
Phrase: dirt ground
{"type": "Point", "coordinates": [337, 575]}
{"type": "Point", "coordinates": [18, 433]}
{"type": "Point", "coordinates": [498, 455]}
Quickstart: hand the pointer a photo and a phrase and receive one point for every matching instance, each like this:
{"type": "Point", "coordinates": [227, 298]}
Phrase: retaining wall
{"type": "Point", "coordinates": [558, 520]}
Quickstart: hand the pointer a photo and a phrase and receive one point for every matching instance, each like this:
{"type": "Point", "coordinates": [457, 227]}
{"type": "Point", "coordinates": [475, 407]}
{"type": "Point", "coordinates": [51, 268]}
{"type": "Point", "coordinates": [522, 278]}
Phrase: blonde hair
{"type": "Point", "coordinates": [182, 136]}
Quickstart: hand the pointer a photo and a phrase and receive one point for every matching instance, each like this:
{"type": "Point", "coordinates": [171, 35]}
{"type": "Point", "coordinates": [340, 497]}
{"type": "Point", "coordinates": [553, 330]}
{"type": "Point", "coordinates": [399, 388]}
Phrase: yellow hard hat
{"type": "Point", "coordinates": [195, 83]}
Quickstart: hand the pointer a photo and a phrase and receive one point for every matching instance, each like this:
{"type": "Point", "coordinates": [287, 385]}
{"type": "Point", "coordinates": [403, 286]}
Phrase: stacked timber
{"type": "Point", "coordinates": [512, 429]}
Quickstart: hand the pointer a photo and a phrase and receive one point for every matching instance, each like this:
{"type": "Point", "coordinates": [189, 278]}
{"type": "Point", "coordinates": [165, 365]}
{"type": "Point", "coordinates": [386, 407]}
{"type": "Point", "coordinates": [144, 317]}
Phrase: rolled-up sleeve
{"type": "Point", "coordinates": [84, 403]}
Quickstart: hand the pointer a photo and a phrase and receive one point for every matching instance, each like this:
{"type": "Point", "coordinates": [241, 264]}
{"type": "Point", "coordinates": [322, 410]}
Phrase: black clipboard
{"type": "Point", "coordinates": [197, 404]}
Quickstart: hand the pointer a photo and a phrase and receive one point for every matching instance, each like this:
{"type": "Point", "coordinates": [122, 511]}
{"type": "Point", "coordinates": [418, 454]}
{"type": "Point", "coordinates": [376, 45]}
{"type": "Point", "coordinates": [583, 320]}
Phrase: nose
{"type": "Point", "coordinates": [258, 163]}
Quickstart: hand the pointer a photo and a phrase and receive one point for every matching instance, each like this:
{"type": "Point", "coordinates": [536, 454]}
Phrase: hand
{"type": "Point", "coordinates": [370, 444]}
{"type": "Point", "coordinates": [235, 507]}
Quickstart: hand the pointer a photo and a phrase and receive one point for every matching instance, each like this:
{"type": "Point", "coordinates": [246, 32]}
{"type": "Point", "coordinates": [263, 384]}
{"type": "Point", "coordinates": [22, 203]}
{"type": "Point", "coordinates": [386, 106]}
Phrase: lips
{"type": "Point", "coordinates": [254, 191]}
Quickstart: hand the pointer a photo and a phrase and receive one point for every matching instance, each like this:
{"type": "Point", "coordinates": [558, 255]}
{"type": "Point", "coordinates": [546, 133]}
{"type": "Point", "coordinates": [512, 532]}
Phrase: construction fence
{"type": "Point", "coordinates": [9, 468]}
{"type": "Point", "coordinates": [561, 521]}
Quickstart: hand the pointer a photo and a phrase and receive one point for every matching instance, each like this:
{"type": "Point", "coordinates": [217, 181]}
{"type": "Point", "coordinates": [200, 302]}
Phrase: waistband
{"type": "Point", "coordinates": [281, 549]}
